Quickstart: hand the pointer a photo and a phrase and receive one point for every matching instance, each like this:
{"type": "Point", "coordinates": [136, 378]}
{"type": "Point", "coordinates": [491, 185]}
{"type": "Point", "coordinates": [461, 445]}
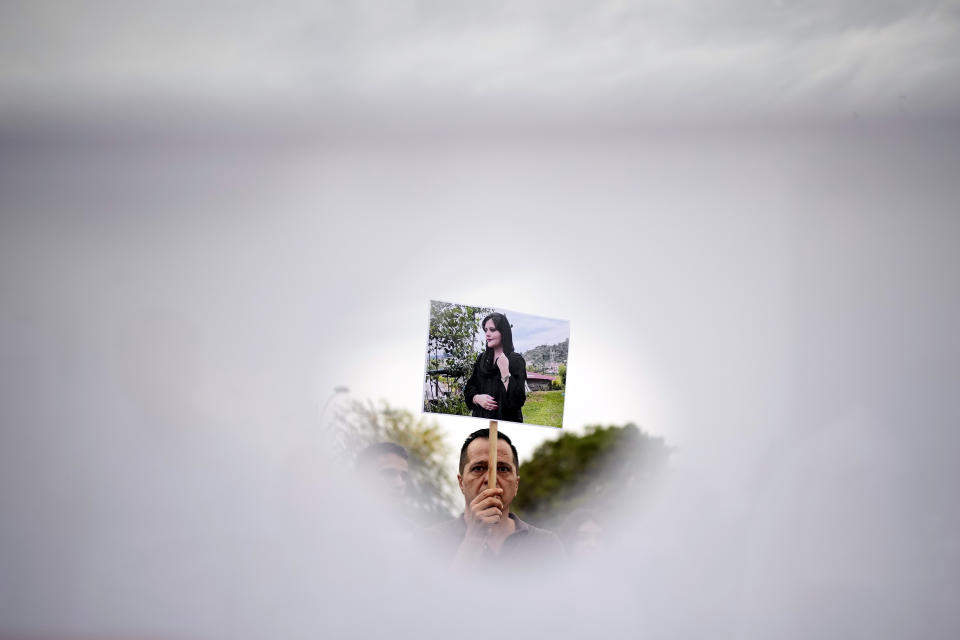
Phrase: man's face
{"type": "Point", "coordinates": [474, 478]}
{"type": "Point", "coordinates": [392, 471]}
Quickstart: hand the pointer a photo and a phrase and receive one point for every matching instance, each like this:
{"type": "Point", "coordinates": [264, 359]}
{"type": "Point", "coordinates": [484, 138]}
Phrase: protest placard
{"type": "Point", "coordinates": [495, 364]}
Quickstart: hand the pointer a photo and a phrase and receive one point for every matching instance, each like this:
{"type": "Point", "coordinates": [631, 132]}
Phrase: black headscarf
{"type": "Point", "coordinates": [487, 367]}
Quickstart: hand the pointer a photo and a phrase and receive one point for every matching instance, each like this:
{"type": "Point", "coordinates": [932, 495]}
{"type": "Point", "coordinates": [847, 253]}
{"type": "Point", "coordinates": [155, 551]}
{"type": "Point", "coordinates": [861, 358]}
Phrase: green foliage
{"type": "Point", "coordinates": [452, 346]}
{"type": "Point", "coordinates": [452, 405]}
{"type": "Point", "coordinates": [555, 385]}
{"type": "Point", "coordinates": [544, 407]}
{"type": "Point", "coordinates": [563, 375]}
{"type": "Point", "coordinates": [593, 470]}
{"type": "Point", "coordinates": [430, 488]}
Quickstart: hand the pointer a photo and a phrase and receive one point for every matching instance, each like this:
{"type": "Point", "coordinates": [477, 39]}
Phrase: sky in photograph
{"type": "Point", "coordinates": [223, 222]}
{"type": "Point", "coordinates": [531, 331]}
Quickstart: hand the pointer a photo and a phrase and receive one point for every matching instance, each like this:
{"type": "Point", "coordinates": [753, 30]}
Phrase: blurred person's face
{"type": "Point", "coordinates": [492, 334]}
{"type": "Point", "coordinates": [589, 538]}
{"type": "Point", "coordinates": [392, 471]}
{"type": "Point", "coordinates": [474, 478]}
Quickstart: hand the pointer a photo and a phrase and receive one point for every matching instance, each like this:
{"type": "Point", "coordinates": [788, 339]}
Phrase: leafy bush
{"type": "Point", "coordinates": [596, 469]}
{"type": "Point", "coordinates": [453, 343]}
{"type": "Point", "coordinates": [453, 405]}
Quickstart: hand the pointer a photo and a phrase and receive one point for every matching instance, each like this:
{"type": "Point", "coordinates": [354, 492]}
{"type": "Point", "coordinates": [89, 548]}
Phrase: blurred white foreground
{"type": "Point", "coordinates": [780, 305]}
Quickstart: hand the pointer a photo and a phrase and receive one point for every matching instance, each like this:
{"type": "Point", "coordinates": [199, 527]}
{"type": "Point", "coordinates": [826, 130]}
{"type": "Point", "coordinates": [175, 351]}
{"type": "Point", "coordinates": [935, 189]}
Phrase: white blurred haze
{"type": "Point", "coordinates": [213, 215]}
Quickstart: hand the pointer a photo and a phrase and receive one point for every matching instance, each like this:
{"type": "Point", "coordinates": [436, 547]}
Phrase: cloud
{"type": "Point", "coordinates": [430, 63]}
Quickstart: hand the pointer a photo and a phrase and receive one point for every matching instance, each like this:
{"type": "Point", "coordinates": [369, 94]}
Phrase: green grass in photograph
{"type": "Point", "coordinates": [543, 407]}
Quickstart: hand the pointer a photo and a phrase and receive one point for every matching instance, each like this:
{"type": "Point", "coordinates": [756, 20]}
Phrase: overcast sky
{"type": "Point", "coordinates": [351, 64]}
{"type": "Point", "coordinates": [750, 209]}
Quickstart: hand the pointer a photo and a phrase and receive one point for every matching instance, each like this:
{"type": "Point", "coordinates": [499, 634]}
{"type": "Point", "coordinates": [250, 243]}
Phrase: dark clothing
{"type": "Point", "coordinates": [486, 379]}
{"type": "Point", "coordinates": [527, 545]}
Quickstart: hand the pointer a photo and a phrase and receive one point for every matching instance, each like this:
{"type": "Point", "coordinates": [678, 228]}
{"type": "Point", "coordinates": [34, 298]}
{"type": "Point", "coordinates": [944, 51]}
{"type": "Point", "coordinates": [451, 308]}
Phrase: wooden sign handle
{"type": "Point", "coordinates": [492, 467]}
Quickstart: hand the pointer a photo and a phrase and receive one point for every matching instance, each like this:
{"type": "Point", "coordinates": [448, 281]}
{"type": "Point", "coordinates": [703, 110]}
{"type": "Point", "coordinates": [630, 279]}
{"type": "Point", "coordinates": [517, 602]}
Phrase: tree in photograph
{"type": "Point", "coordinates": [454, 341]}
{"type": "Point", "coordinates": [544, 358]}
{"type": "Point", "coordinates": [430, 488]}
{"type": "Point", "coordinates": [592, 470]}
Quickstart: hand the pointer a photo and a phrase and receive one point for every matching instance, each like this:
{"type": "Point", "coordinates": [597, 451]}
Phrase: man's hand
{"type": "Point", "coordinates": [485, 401]}
{"type": "Point", "coordinates": [485, 511]}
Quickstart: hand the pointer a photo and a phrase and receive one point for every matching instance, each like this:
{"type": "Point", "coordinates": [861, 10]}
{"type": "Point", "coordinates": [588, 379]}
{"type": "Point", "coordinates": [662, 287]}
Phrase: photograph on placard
{"type": "Point", "coordinates": [495, 364]}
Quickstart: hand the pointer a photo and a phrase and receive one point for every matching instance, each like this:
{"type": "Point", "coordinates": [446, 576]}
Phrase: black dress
{"type": "Point", "coordinates": [486, 379]}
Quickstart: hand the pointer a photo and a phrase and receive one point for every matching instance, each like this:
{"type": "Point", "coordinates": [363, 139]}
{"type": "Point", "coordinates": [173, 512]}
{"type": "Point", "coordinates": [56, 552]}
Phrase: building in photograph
{"type": "Point", "coordinates": [539, 381]}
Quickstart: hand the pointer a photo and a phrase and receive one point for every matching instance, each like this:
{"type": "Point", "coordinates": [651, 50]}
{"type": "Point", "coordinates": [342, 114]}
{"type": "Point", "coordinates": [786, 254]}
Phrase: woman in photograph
{"type": "Point", "coordinates": [497, 387]}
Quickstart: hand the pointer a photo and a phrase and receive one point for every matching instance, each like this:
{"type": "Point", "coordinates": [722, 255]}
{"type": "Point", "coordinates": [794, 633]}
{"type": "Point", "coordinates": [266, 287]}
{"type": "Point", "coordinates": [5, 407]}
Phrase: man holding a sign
{"type": "Point", "coordinates": [487, 530]}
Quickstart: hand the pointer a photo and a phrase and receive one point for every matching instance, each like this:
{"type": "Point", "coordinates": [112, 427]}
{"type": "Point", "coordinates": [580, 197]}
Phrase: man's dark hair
{"type": "Point", "coordinates": [368, 456]}
{"type": "Point", "coordinates": [503, 326]}
{"type": "Point", "coordinates": [485, 433]}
